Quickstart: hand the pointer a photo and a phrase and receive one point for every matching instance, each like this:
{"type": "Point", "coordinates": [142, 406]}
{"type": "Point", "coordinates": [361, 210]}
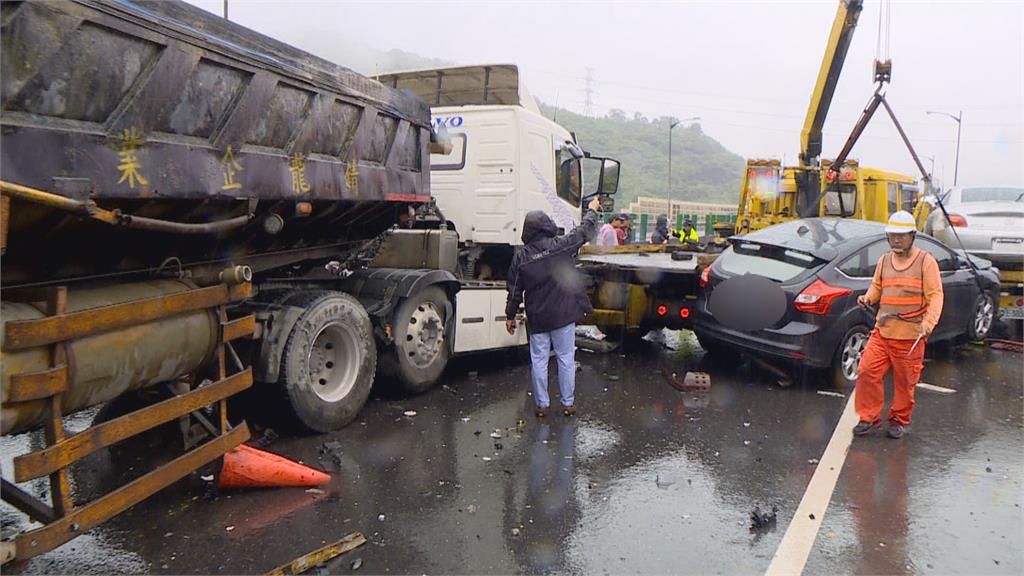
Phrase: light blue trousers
{"type": "Point", "coordinates": [563, 340]}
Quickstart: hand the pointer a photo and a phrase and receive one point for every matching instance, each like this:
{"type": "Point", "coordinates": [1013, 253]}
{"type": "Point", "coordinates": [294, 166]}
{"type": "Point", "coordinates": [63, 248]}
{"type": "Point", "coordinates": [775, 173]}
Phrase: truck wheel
{"type": "Point", "coordinates": [981, 319]}
{"type": "Point", "coordinates": [420, 352]}
{"type": "Point", "coordinates": [847, 359]}
{"type": "Point", "coordinates": [329, 361]}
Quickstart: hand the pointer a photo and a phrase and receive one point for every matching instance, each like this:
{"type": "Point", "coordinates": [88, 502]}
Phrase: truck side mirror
{"type": "Point", "coordinates": [609, 183]}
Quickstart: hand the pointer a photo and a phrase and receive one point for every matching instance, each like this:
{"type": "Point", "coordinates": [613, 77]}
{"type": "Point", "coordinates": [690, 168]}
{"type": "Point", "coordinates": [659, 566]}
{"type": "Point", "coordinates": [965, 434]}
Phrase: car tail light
{"type": "Point", "coordinates": [662, 310]}
{"type": "Point", "coordinates": [817, 298]}
{"type": "Point", "coordinates": [958, 220]}
{"type": "Point", "coordinates": [684, 313]}
{"type": "Point", "coordinates": [705, 277]}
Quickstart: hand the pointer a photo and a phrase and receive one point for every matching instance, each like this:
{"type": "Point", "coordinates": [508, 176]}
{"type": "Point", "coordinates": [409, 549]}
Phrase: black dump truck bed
{"type": "Point", "coordinates": [160, 116]}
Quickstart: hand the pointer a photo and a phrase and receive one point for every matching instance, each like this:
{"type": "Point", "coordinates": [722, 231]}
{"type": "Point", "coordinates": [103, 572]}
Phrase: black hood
{"type": "Point", "coordinates": [662, 222]}
{"type": "Point", "coordinates": [538, 225]}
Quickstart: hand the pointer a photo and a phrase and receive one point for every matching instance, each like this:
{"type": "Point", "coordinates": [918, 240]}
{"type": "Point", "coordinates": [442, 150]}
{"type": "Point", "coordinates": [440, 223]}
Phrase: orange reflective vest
{"type": "Point", "coordinates": [903, 290]}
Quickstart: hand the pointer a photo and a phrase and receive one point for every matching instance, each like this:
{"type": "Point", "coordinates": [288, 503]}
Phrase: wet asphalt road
{"type": "Point", "coordinates": [644, 480]}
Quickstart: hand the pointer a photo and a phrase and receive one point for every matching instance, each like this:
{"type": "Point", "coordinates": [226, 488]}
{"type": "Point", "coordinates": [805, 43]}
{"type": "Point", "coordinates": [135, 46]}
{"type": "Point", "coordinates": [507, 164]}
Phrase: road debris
{"type": "Point", "coordinates": [691, 382]}
{"type": "Point", "coordinates": [321, 555]}
{"type": "Point", "coordinates": [662, 484]}
{"type": "Point", "coordinates": [409, 413]}
{"type": "Point", "coordinates": [496, 433]}
{"type": "Point", "coordinates": [812, 461]}
{"type": "Point", "coordinates": [934, 388]}
{"type": "Point", "coordinates": [330, 456]}
{"type": "Point", "coordinates": [357, 564]}
{"type": "Point", "coordinates": [381, 517]}
{"type": "Point", "coordinates": [763, 521]}
{"type": "Point", "coordinates": [269, 437]}
{"type": "Point", "coordinates": [831, 393]}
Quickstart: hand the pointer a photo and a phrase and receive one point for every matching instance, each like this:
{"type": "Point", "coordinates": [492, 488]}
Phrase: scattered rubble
{"type": "Point", "coordinates": [763, 521]}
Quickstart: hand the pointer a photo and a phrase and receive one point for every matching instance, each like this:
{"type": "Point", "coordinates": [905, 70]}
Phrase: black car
{"type": "Point", "coordinates": [821, 265]}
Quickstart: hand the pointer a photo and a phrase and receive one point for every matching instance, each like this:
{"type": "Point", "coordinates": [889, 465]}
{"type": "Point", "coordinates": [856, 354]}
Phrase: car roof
{"type": "Point", "coordinates": [824, 238]}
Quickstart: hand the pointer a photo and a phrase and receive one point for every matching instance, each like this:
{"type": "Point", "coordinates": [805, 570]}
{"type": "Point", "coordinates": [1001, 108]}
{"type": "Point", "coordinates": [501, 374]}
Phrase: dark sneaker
{"type": "Point", "coordinates": [569, 410]}
{"type": "Point", "coordinates": [863, 428]}
{"type": "Point", "coordinates": [896, 430]}
{"type": "Point", "coordinates": [541, 411]}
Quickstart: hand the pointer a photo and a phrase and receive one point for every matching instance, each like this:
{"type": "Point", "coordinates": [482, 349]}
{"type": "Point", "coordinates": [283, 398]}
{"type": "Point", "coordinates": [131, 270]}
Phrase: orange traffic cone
{"type": "Point", "coordinates": [247, 467]}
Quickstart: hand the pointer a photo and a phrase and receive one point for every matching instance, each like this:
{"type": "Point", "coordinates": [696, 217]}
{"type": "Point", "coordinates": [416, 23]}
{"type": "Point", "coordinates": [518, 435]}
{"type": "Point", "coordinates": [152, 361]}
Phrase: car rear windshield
{"type": "Point", "coordinates": [772, 262]}
{"type": "Point", "coordinates": [992, 195]}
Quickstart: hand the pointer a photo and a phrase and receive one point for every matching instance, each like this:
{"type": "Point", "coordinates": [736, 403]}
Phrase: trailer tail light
{"type": "Point", "coordinates": [817, 298]}
{"type": "Point", "coordinates": [684, 313]}
{"type": "Point", "coordinates": [662, 310]}
{"type": "Point", "coordinates": [848, 175]}
{"type": "Point", "coordinates": [958, 220]}
{"type": "Point", "coordinates": [705, 277]}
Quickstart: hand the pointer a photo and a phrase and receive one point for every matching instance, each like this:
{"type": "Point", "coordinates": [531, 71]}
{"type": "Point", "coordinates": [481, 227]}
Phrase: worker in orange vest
{"type": "Point", "coordinates": [908, 289]}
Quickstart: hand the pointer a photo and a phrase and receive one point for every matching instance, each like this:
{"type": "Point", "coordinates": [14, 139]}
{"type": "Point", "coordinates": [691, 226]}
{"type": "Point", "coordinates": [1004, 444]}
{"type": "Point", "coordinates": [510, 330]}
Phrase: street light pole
{"type": "Point", "coordinates": [957, 119]}
{"type": "Point", "coordinates": [670, 127]}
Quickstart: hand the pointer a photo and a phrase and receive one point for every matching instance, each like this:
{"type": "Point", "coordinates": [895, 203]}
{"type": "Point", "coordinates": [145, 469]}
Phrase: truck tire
{"type": "Point", "coordinates": [420, 352]}
{"type": "Point", "coordinates": [328, 362]}
{"type": "Point", "coordinates": [847, 358]}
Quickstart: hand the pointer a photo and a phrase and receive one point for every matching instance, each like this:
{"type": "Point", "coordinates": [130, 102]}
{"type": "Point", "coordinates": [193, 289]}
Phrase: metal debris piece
{"type": "Point", "coordinates": [830, 393]}
{"type": "Point", "coordinates": [763, 521]}
{"type": "Point", "coordinates": [269, 437]}
{"type": "Point", "coordinates": [691, 382]}
{"type": "Point", "coordinates": [321, 555]}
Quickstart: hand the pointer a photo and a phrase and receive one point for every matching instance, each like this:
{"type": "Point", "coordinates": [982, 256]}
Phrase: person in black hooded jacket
{"type": "Point", "coordinates": [544, 273]}
{"type": "Point", "coordinates": [661, 233]}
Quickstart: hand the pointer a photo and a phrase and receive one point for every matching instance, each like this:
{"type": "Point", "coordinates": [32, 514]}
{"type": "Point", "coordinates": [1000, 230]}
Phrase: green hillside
{"type": "Point", "coordinates": [702, 169]}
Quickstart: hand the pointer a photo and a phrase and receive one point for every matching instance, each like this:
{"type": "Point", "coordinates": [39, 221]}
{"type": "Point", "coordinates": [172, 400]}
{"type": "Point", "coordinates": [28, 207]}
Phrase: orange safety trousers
{"type": "Point", "coordinates": [879, 354]}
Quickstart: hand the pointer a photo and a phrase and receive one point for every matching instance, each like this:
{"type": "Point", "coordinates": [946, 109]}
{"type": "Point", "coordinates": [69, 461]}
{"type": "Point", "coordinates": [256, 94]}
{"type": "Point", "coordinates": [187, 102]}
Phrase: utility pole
{"type": "Point", "coordinates": [957, 119]}
{"type": "Point", "coordinates": [225, 9]}
{"type": "Point", "coordinates": [670, 127]}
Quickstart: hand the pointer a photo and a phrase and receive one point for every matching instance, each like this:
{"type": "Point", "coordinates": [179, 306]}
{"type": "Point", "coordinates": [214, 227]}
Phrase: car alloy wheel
{"type": "Point", "coordinates": [984, 313]}
{"type": "Point", "coordinates": [853, 347]}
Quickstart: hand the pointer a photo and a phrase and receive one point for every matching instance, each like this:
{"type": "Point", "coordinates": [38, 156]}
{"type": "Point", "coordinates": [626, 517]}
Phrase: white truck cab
{"type": "Point", "coordinates": [505, 160]}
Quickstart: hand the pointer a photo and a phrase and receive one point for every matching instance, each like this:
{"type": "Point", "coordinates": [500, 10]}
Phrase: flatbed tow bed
{"type": "Point", "coordinates": [640, 287]}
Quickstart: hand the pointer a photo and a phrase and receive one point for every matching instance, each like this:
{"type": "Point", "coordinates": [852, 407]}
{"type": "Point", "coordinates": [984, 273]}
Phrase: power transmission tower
{"type": "Point", "coordinates": [588, 90]}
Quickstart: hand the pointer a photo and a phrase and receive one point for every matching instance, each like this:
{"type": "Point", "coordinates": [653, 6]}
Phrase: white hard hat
{"type": "Point", "coordinates": [901, 222]}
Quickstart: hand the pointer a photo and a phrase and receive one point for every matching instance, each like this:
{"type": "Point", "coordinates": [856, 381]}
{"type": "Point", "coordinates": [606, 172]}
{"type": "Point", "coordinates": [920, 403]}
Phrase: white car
{"type": "Point", "coordinates": [989, 222]}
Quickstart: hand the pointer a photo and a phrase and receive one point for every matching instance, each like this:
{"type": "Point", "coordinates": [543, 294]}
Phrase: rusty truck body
{"type": "Point", "coordinates": [190, 205]}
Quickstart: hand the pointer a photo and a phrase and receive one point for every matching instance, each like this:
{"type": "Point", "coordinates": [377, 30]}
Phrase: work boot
{"type": "Point", "coordinates": [541, 412]}
{"type": "Point", "coordinates": [863, 428]}
{"type": "Point", "coordinates": [569, 410]}
{"type": "Point", "coordinates": [895, 430]}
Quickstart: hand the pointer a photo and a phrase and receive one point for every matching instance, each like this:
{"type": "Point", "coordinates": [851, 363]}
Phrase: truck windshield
{"type": "Point", "coordinates": [772, 262]}
{"type": "Point", "coordinates": [849, 204]}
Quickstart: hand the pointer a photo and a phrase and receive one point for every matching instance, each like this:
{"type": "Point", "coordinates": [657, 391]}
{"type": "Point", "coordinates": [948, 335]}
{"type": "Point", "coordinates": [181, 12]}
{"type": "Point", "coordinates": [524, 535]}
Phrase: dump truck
{"type": "Point", "coordinates": [192, 207]}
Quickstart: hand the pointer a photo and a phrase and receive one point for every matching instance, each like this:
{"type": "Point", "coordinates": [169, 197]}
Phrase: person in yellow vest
{"type": "Point", "coordinates": [688, 235]}
{"type": "Point", "coordinates": [908, 290]}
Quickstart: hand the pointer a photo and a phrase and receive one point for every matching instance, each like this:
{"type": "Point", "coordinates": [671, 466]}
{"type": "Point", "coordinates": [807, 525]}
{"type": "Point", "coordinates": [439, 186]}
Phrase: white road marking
{"type": "Point", "coordinates": [791, 555]}
{"type": "Point", "coordinates": [935, 388]}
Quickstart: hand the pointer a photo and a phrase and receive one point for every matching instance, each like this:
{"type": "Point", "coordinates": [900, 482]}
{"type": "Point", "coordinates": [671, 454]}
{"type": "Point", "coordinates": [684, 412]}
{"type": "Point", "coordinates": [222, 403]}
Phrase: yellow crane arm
{"type": "Point", "coordinates": [831, 65]}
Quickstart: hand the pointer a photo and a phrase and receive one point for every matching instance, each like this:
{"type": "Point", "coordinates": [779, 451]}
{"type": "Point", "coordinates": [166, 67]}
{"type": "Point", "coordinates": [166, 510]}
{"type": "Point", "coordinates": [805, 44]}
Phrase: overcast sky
{"type": "Point", "coordinates": [746, 68]}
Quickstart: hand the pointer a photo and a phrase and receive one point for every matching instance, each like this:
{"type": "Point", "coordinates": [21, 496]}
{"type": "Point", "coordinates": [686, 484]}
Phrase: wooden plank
{"type": "Point", "coordinates": [16, 497]}
{"type": "Point", "coordinates": [239, 328]}
{"type": "Point", "coordinates": [319, 556]}
{"type": "Point", "coordinates": [30, 333]}
{"type": "Point", "coordinates": [60, 484]}
{"type": "Point", "coordinates": [86, 517]}
{"type": "Point", "coordinates": [36, 385]}
{"type": "Point", "coordinates": [41, 462]}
